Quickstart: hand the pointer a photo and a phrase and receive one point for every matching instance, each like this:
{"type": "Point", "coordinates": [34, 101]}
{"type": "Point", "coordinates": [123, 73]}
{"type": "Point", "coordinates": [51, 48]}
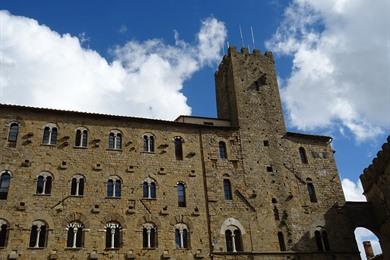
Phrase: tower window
{"type": "Point", "coordinates": [81, 138]}
{"type": "Point", "coordinates": [233, 239]}
{"type": "Point", "coordinates": [115, 140]}
{"type": "Point", "coordinates": [149, 189]}
{"type": "Point", "coordinates": [311, 191]}
{"type": "Point", "coordinates": [44, 183]}
{"type": "Point", "coordinates": [181, 195]}
{"type": "Point", "coordinates": [38, 234]}
{"type": "Point", "coordinates": [181, 236]}
{"type": "Point", "coordinates": [227, 189]}
{"type": "Point", "coordinates": [77, 186]}
{"type": "Point", "coordinates": [3, 233]}
{"type": "Point", "coordinates": [282, 245]}
{"type": "Point", "coordinates": [5, 180]}
{"type": "Point", "coordinates": [222, 150]}
{"type": "Point", "coordinates": [74, 235]}
{"type": "Point", "coordinates": [113, 235]}
{"type": "Point", "coordinates": [179, 148]}
{"type": "Point", "coordinates": [149, 235]}
{"type": "Point", "coordinates": [149, 143]}
{"type": "Point", "coordinates": [114, 187]}
{"type": "Point", "coordinates": [302, 154]}
{"type": "Point", "coordinates": [49, 135]}
{"type": "Point", "coordinates": [13, 132]}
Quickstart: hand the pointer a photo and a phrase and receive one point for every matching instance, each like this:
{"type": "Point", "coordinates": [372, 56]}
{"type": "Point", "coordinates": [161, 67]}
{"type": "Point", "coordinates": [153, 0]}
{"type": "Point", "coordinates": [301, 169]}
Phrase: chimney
{"type": "Point", "coordinates": [368, 249]}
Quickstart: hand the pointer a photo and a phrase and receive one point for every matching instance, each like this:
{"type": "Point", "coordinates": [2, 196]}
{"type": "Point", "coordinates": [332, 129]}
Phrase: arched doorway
{"type": "Point", "coordinates": [364, 234]}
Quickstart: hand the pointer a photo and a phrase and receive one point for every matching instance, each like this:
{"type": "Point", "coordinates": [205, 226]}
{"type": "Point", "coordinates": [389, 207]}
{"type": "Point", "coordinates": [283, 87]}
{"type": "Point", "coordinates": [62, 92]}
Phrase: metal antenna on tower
{"type": "Point", "coordinates": [253, 38]}
{"type": "Point", "coordinates": [242, 38]}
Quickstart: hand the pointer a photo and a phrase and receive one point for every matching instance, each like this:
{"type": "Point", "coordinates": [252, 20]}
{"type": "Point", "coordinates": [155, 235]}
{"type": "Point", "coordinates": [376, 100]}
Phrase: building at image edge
{"type": "Point", "coordinates": [92, 186]}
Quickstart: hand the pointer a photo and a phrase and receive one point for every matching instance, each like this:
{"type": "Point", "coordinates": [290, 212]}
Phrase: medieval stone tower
{"type": "Point", "coordinates": [76, 185]}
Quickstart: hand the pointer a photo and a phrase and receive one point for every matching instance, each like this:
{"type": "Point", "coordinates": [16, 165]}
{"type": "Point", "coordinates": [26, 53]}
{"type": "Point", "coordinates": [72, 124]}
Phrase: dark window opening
{"type": "Point", "coordinates": [222, 150]}
{"type": "Point", "coordinates": [317, 235]}
{"type": "Point", "coordinates": [181, 194]}
{"type": "Point", "coordinates": [179, 148]}
{"type": "Point", "coordinates": [302, 154]}
{"type": "Point", "coordinates": [13, 132]}
{"type": "Point", "coordinates": [312, 192]}
{"type": "Point", "coordinates": [227, 189]}
{"type": "Point", "coordinates": [3, 235]}
{"type": "Point", "coordinates": [282, 245]}
{"type": "Point", "coordinates": [5, 180]}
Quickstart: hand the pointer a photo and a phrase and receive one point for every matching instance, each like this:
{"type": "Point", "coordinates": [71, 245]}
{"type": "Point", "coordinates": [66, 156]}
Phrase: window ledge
{"type": "Point", "coordinates": [112, 249]}
{"type": "Point", "coordinates": [114, 150]}
{"type": "Point", "coordinates": [146, 152]}
{"type": "Point", "coordinates": [113, 198]}
{"type": "Point", "coordinates": [49, 145]}
{"type": "Point", "coordinates": [149, 199]}
{"type": "Point", "coordinates": [76, 196]}
{"type": "Point", "coordinates": [80, 147]}
{"type": "Point", "coordinates": [41, 195]}
{"type": "Point", "coordinates": [74, 248]}
{"type": "Point", "coordinates": [149, 248]}
{"type": "Point", "coordinates": [36, 248]}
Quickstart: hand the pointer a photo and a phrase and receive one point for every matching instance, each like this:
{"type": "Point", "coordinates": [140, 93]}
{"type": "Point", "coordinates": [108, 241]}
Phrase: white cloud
{"type": "Point", "coordinates": [353, 191]}
{"type": "Point", "coordinates": [341, 64]}
{"type": "Point", "coordinates": [40, 67]}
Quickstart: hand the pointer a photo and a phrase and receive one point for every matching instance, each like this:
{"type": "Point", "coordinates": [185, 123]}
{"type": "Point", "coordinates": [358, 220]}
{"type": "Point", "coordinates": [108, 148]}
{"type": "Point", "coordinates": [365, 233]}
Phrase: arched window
{"type": "Point", "coordinates": [227, 189]}
{"type": "Point", "coordinates": [44, 183]}
{"type": "Point", "coordinates": [114, 187]}
{"type": "Point", "coordinates": [181, 194]}
{"type": "Point", "coordinates": [321, 237]}
{"type": "Point", "coordinates": [222, 150]}
{"type": "Point", "coordinates": [77, 186]}
{"type": "Point", "coordinates": [233, 239]}
{"type": "Point", "coordinates": [3, 233]}
{"type": "Point", "coordinates": [302, 154]}
{"type": "Point", "coordinates": [113, 235]}
{"type": "Point", "coordinates": [181, 236]}
{"type": "Point", "coordinates": [81, 137]}
{"type": "Point", "coordinates": [149, 188]}
{"type": "Point", "coordinates": [311, 190]}
{"type": "Point", "coordinates": [75, 235]}
{"type": "Point", "coordinates": [149, 143]}
{"type": "Point", "coordinates": [115, 140]}
{"type": "Point", "coordinates": [38, 235]}
{"type": "Point", "coordinates": [49, 135]}
{"type": "Point", "coordinates": [13, 132]}
{"type": "Point", "coordinates": [5, 180]}
{"type": "Point", "coordinates": [149, 235]}
{"type": "Point", "coordinates": [179, 148]}
{"type": "Point", "coordinates": [282, 245]}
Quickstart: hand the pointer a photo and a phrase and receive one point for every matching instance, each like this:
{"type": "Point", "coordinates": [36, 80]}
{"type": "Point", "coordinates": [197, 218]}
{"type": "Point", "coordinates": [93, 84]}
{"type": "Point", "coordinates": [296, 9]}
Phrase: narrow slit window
{"type": "Point", "coordinates": [13, 132]}
{"type": "Point", "coordinates": [227, 188]}
{"type": "Point", "coordinates": [312, 192]}
{"type": "Point", "coordinates": [302, 154]}
{"type": "Point", "coordinates": [179, 148]}
{"type": "Point", "coordinates": [222, 150]}
{"type": "Point", "coordinates": [282, 244]}
{"type": "Point", "coordinates": [5, 180]}
{"type": "Point", "coordinates": [181, 194]}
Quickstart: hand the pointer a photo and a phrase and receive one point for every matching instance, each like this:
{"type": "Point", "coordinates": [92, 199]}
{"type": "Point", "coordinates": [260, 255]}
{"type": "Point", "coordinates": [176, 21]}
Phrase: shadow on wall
{"type": "Point", "coordinates": [334, 237]}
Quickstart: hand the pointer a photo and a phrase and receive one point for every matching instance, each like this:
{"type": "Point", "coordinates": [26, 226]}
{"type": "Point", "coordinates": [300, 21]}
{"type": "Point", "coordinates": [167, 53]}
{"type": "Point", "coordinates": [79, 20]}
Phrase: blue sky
{"type": "Point", "coordinates": [320, 78]}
